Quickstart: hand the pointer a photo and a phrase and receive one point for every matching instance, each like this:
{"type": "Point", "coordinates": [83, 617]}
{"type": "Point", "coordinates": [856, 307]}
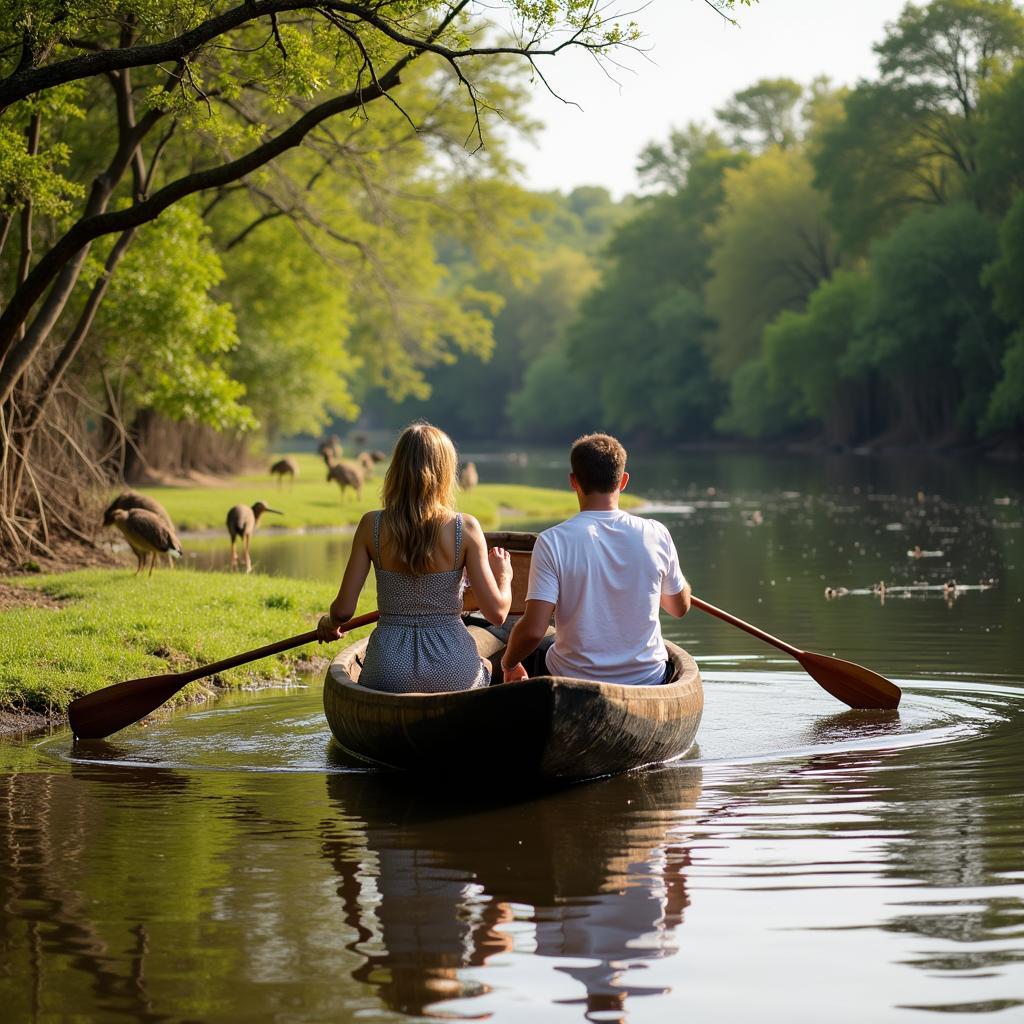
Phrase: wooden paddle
{"type": "Point", "coordinates": [852, 684]}
{"type": "Point", "coordinates": [98, 714]}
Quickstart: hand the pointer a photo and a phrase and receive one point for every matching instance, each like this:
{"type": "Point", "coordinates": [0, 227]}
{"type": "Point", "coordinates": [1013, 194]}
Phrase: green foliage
{"type": "Point", "coordinates": [773, 247]}
{"type": "Point", "coordinates": [474, 396]}
{"type": "Point", "coordinates": [763, 115]}
{"type": "Point", "coordinates": [1005, 276]}
{"type": "Point", "coordinates": [803, 354]}
{"type": "Point", "coordinates": [1000, 147]}
{"type": "Point", "coordinates": [929, 328]}
{"type": "Point", "coordinates": [759, 405]}
{"type": "Point", "coordinates": [162, 338]}
{"type": "Point", "coordinates": [909, 138]}
{"type": "Point", "coordinates": [639, 335]}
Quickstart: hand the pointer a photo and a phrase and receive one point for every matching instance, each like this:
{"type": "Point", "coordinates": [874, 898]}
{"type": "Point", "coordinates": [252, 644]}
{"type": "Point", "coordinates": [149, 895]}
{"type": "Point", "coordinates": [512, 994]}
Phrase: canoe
{"type": "Point", "coordinates": [545, 729]}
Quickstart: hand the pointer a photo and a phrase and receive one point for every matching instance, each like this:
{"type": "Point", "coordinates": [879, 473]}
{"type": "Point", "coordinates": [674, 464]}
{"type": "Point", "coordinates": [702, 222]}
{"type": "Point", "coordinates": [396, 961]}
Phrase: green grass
{"type": "Point", "coordinates": [313, 502]}
{"type": "Point", "coordinates": [113, 626]}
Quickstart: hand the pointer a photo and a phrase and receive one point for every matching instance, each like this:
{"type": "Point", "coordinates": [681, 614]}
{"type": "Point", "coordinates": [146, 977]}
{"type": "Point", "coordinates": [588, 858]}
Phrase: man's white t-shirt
{"type": "Point", "coordinates": [605, 573]}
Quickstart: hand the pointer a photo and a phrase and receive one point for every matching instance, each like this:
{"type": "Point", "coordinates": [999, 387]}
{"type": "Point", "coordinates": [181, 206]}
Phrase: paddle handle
{"type": "Point", "coordinates": [792, 651]}
{"type": "Point", "coordinates": [265, 652]}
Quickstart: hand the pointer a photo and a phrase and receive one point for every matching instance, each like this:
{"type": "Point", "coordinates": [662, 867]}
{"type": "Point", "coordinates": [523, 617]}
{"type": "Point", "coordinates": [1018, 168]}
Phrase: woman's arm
{"type": "Point", "coordinates": [343, 607]}
{"type": "Point", "coordinates": [489, 572]}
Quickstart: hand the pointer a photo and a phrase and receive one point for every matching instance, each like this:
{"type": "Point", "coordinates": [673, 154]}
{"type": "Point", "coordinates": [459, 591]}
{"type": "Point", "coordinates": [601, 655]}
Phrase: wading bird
{"type": "Point", "coordinates": [242, 521]}
{"type": "Point", "coordinates": [469, 478]}
{"type": "Point", "coordinates": [366, 462]}
{"type": "Point", "coordinates": [330, 449]}
{"type": "Point", "coordinates": [286, 467]}
{"type": "Point", "coordinates": [345, 474]}
{"type": "Point", "coordinates": [128, 500]}
{"type": "Point", "coordinates": [147, 534]}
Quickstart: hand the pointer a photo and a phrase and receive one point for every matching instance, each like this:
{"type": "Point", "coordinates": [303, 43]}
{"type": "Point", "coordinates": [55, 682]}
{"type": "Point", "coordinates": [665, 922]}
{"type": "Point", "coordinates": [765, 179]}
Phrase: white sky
{"type": "Point", "coordinates": [695, 62]}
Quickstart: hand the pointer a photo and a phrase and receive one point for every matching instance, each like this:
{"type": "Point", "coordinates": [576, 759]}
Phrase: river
{"type": "Point", "coordinates": [805, 863]}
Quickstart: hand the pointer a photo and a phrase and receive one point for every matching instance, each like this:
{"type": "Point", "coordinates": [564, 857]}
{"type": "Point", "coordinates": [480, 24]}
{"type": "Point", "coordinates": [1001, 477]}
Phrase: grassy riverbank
{"type": "Point", "coordinates": [65, 634]}
{"type": "Point", "coordinates": [315, 502]}
{"type": "Point", "coordinates": [91, 628]}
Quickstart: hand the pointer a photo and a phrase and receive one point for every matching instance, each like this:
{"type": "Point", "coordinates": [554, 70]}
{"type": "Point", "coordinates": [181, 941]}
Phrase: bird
{"type": "Point", "coordinates": [242, 521]}
{"type": "Point", "coordinates": [330, 449]}
{"type": "Point", "coordinates": [286, 467]}
{"type": "Point", "coordinates": [345, 474]}
{"type": "Point", "coordinates": [147, 534]}
{"type": "Point", "coordinates": [128, 500]}
{"type": "Point", "coordinates": [366, 460]}
{"type": "Point", "coordinates": [468, 477]}
{"type": "Point", "coordinates": [377, 455]}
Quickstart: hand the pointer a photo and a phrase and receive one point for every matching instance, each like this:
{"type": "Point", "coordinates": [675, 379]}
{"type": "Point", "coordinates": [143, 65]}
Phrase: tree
{"type": "Point", "coordinates": [664, 166]}
{"type": "Point", "coordinates": [909, 138]}
{"type": "Point", "coordinates": [772, 247]}
{"type": "Point", "coordinates": [638, 336]}
{"type": "Point", "coordinates": [200, 99]}
{"type": "Point", "coordinates": [803, 357]}
{"type": "Point", "coordinates": [929, 330]}
{"type": "Point", "coordinates": [1004, 275]}
{"type": "Point", "coordinates": [764, 115]}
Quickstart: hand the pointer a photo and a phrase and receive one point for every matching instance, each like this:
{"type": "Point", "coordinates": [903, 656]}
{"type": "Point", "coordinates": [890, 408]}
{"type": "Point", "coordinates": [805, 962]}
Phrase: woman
{"type": "Point", "coordinates": [418, 546]}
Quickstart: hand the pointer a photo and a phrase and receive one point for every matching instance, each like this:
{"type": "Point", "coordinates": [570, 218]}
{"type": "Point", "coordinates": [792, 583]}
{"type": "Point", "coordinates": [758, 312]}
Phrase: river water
{"type": "Point", "coordinates": [805, 863]}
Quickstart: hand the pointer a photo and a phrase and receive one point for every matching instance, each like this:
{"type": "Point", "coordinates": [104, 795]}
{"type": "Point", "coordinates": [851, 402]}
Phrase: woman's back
{"type": "Point", "coordinates": [420, 644]}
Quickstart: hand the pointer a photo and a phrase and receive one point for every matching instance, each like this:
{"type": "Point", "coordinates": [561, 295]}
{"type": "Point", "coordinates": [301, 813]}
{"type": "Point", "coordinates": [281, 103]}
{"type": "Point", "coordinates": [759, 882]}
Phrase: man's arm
{"type": "Point", "coordinates": [526, 634]}
{"type": "Point", "coordinates": [677, 604]}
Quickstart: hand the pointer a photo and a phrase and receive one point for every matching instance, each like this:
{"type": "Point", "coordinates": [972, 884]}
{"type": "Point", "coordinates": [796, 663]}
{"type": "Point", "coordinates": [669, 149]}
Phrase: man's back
{"type": "Point", "coordinates": [605, 572]}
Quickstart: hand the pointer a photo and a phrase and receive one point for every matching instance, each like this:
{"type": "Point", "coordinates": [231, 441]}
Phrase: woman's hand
{"type": "Point", "coordinates": [500, 562]}
{"type": "Point", "coordinates": [327, 630]}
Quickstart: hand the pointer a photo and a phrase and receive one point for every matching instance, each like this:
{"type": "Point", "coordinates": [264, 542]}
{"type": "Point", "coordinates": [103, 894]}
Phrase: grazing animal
{"type": "Point", "coordinates": [242, 521]}
{"type": "Point", "coordinates": [128, 500]}
{"type": "Point", "coordinates": [286, 467]}
{"type": "Point", "coordinates": [330, 449]}
{"type": "Point", "coordinates": [366, 461]}
{"type": "Point", "coordinates": [346, 474]}
{"type": "Point", "coordinates": [147, 534]}
{"type": "Point", "coordinates": [468, 477]}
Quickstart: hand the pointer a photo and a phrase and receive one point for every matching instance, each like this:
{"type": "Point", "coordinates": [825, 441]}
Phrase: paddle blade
{"type": "Point", "coordinates": [102, 712]}
{"type": "Point", "coordinates": [853, 684]}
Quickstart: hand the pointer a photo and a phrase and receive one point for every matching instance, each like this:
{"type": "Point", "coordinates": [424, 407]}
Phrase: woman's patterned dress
{"type": "Point", "coordinates": [421, 644]}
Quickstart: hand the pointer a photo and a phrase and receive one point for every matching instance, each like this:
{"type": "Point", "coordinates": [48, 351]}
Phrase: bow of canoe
{"type": "Point", "coordinates": [546, 728]}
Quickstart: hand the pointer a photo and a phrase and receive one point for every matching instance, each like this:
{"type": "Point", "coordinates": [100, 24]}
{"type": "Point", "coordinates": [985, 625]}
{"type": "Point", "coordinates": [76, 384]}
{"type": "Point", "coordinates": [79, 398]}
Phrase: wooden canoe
{"type": "Point", "coordinates": [545, 729]}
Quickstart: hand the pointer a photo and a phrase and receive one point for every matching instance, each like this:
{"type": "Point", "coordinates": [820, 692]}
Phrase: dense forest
{"type": "Point", "coordinates": [221, 226]}
{"type": "Point", "coordinates": [819, 262]}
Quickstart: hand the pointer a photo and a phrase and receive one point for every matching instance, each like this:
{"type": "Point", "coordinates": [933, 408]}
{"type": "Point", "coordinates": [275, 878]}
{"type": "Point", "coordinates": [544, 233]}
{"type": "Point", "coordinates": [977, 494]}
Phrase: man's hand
{"type": "Point", "coordinates": [515, 674]}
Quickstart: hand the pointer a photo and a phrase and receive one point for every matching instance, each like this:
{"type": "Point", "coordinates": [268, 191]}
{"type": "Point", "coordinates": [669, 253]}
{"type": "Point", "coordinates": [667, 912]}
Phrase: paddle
{"type": "Point", "coordinates": [98, 714]}
{"type": "Point", "coordinates": [852, 684]}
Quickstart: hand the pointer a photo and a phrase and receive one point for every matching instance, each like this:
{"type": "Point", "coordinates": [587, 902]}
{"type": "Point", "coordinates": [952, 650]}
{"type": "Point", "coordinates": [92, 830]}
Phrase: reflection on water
{"type": "Point", "coordinates": [810, 862]}
{"type": "Point", "coordinates": [600, 893]}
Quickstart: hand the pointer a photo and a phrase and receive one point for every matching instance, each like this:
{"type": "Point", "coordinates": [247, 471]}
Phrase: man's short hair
{"type": "Point", "coordinates": [597, 461]}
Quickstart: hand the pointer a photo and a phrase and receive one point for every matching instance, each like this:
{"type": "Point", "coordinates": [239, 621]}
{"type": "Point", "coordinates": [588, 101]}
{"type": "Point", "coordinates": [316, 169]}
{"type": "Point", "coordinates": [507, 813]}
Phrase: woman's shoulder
{"type": "Point", "coordinates": [470, 525]}
{"type": "Point", "coordinates": [367, 521]}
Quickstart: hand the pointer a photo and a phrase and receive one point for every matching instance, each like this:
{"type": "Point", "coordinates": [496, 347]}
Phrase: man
{"type": "Point", "coordinates": [604, 574]}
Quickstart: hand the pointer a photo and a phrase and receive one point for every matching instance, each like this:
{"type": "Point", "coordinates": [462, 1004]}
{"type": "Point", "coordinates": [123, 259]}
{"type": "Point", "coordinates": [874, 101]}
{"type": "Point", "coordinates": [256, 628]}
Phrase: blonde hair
{"type": "Point", "coordinates": [419, 493]}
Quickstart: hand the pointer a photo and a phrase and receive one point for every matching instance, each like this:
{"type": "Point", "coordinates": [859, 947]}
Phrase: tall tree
{"type": "Point", "coordinates": [908, 139]}
{"type": "Point", "coordinates": [772, 247]}
{"type": "Point", "coordinates": [764, 115]}
{"type": "Point", "coordinates": [201, 98]}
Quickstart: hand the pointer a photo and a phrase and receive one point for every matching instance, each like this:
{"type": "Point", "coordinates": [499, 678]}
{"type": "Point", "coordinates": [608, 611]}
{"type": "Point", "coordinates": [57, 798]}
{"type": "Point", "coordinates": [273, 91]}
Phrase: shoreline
{"type": "Point", "coordinates": [22, 726]}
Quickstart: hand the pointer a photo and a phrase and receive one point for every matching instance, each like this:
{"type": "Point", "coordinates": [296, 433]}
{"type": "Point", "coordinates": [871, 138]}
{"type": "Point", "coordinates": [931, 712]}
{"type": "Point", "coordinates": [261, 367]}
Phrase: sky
{"type": "Point", "coordinates": [694, 62]}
